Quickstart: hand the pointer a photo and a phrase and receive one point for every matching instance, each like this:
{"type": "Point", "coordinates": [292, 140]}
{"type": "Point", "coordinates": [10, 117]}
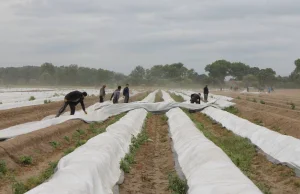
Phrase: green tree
{"type": "Point", "coordinates": [218, 70]}
{"type": "Point", "coordinates": [266, 77]}
{"type": "Point", "coordinates": [250, 80]}
{"type": "Point", "coordinates": [137, 76]}
{"type": "Point", "coordinates": [238, 70]}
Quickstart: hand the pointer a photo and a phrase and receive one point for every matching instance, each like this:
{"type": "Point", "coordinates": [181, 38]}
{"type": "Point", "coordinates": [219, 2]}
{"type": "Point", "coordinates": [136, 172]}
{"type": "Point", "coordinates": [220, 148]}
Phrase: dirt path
{"type": "Point", "coordinates": [153, 161]}
{"type": "Point", "coordinates": [270, 178]}
{"type": "Point", "coordinates": [44, 146]}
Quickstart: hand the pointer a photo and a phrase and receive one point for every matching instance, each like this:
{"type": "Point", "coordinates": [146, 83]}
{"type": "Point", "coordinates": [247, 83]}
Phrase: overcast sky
{"type": "Point", "coordinates": [121, 34]}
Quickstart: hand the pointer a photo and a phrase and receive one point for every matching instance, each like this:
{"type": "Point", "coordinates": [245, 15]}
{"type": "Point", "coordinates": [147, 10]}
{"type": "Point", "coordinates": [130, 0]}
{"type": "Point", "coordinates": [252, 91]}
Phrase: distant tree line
{"type": "Point", "coordinates": [158, 75]}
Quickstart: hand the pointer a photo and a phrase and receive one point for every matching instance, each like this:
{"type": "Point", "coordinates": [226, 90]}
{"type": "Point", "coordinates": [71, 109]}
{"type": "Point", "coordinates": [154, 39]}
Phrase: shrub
{"type": "Point", "coordinates": [3, 168]}
{"type": "Point", "coordinates": [293, 106]}
{"type": "Point", "coordinates": [262, 102]}
{"type": "Point", "coordinates": [177, 185]}
{"type": "Point", "coordinates": [26, 160]}
{"type": "Point", "coordinates": [31, 98]}
{"type": "Point", "coordinates": [54, 144]}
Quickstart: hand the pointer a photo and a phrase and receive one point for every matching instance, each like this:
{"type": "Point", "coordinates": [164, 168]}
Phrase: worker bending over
{"type": "Point", "coordinates": [72, 99]}
{"type": "Point", "coordinates": [195, 98]}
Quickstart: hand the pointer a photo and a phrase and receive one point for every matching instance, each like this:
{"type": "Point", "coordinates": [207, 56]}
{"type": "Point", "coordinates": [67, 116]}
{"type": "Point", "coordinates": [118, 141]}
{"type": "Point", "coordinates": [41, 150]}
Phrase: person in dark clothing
{"type": "Point", "coordinates": [195, 98]}
{"type": "Point", "coordinates": [116, 95]}
{"type": "Point", "coordinates": [102, 93]}
{"type": "Point", "coordinates": [126, 93]}
{"type": "Point", "coordinates": [72, 99]}
{"type": "Point", "coordinates": [206, 91]}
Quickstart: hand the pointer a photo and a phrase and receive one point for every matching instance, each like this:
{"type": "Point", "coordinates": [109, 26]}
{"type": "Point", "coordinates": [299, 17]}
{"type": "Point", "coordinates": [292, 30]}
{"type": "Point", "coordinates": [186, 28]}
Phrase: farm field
{"type": "Point", "coordinates": [278, 111]}
{"type": "Point", "coordinates": [157, 151]}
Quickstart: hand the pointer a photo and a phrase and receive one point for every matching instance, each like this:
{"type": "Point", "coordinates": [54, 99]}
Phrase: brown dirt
{"type": "Point", "coordinates": [154, 161]}
{"type": "Point", "coordinates": [275, 114]}
{"type": "Point", "coordinates": [280, 179]}
{"type": "Point", "coordinates": [36, 144]}
{"type": "Point", "coordinates": [26, 114]}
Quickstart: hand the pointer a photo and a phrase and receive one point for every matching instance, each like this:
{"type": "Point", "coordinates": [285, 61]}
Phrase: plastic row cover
{"type": "Point", "coordinates": [207, 168]}
{"type": "Point", "coordinates": [283, 148]}
{"type": "Point", "coordinates": [94, 167]}
{"type": "Point", "coordinates": [96, 113]}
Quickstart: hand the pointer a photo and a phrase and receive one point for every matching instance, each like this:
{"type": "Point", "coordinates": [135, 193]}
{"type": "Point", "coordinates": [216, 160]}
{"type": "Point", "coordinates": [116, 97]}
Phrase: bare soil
{"type": "Point", "coordinates": [277, 179]}
{"type": "Point", "coordinates": [275, 114]}
{"type": "Point", "coordinates": [37, 145]}
{"type": "Point", "coordinates": [154, 161]}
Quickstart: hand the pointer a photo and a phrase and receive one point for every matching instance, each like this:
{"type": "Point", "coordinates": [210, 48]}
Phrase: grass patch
{"type": "Point", "coordinates": [54, 144]}
{"type": "Point", "coordinates": [47, 101]}
{"type": "Point", "coordinates": [254, 100]}
{"type": "Point", "coordinates": [262, 102]}
{"type": "Point", "coordinates": [177, 185]}
{"type": "Point", "coordinates": [176, 97]}
{"type": "Point", "coordinates": [276, 128]}
{"type": "Point", "coordinates": [136, 142]}
{"type": "Point", "coordinates": [158, 97]}
{"type": "Point", "coordinates": [26, 160]}
{"type": "Point", "coordinates": [232, 110]}
{"type": "Point", "coordinates": [240, 150]}
{"type": "Point", "coordinates": [69, 150]}
{"type": "Point", "coordinates": [67, 139]}
{"type": "Point", "coordinates": [3, 168]}
{"type": "Point", "coordinates": [293, 106]}
{"type": "Point", "coordinates": [20, 188]}
{"type": "Point", "coordinates": [31, 98]}
{"type": "Point", "coordinates": [258, 122]}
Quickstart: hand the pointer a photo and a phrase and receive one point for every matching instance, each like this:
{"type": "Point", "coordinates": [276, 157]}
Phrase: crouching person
{"type": "Point", "coordinates": [195, 98]}
{"type": "Point", "coordinates": [72, 99]}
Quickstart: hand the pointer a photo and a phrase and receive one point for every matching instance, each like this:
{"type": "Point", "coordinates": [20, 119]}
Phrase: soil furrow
{"type": "Point", "coordinates": [153, 161]}
{"type": "Point", "coordinates": [44, 144]}
{"type": "Point", "coordinates": [269, 177]}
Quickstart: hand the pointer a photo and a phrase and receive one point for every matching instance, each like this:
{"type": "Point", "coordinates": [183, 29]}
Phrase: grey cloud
{"type": "Point", "coordinates": [119, 35]}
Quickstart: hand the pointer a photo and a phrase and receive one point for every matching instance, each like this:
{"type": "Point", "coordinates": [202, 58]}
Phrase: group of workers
{"type": "Point", "coordinates": [75, 97]}
{"type": "Point", "coordinates": [196, 98]}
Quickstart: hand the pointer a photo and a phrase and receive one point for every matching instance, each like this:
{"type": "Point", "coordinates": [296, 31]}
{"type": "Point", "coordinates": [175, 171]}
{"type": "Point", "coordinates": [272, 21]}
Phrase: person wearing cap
{"type": "Point", "coordinates": [102, 93]}
{"type": "Point", "coordinates": [72, 99]}
{"type": "Point", "coordinates": [195, 98]}
{"type": "Point", "coordinates": [126, 93]}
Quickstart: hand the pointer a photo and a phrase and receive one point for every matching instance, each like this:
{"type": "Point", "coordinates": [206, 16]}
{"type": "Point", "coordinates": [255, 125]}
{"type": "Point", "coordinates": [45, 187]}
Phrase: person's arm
{"type": "Point", "coordinates": [82, 105]}
{"type": "Point", "coordinates": [112, 95]}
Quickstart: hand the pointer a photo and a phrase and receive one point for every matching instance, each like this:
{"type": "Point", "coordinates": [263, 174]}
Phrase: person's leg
{"type": "Point", "coordinates": [62, 109]}
{"type": "Point", "coordinates": [72, 107]}
{"type": "Point", "coordinates": [126, 99]}
{"type": "Point", "coordinates": [101, 99]}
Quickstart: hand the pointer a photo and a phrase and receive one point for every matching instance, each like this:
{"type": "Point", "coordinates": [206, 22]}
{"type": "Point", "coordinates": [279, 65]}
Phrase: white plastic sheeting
{"type": "Point", "coordinates": [96, 113]}
{"type": "Point", "coordinates": [284, 149]}
{"type": "Point", "coordinates": [94, 167]}
{"type": "Point", "coordinates": [207, 168]}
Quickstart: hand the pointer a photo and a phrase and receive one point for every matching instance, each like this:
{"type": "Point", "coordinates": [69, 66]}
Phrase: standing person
{"type": "Point", "coordinates": [126, 93]}
{"type": "Point", "coordinates": [72, 99]}
{"type": "Point", "coordinates": [102, 93]}
{"type": "Point", "coordinates": [206, 91]}
{"type": "Point", "coordinates": [116, 95]}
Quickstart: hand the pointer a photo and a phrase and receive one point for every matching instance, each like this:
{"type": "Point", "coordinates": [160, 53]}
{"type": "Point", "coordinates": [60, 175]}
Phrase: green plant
{"type": "Point", "coordinates": [67, 138]}
{"type": "Point", "coordinates": [80, 143]}
{"type": "Point", "coordinates": [254, 100]}
{"type": "Point", "coordinates": [177, 185]}
{"type": "Point", "coordinates": [26, 160]}
{"type": "Point", "coordinates": [31, 98]}
{"type": "Point", "coordinates": [293, 106]}
{"type": "Point", "coordinates": [3, 168]}
{"type": "Point", "coordinates": [262, 102]}
{"type": "Point", "coordinates": [47, 101]}
{"type": "Point", "coordinates": [238, 98]}
{"type": "Point", "coordinates": [54, 144]}
{"type": "Point", "coordinates": [176, 97]}
{"type": "Point", "coordinates": [19, 188]}
{"type": "Point", "coordinates": [258, 122]}
{"type": "Point", "coordinates": [69, 150]}
{"type": "Point", "coordinates": [232, 110]}
{"type": "Point", "coordinates": [125, 166]}
{"type": "Point", "coordinates": [276, 129]}
{"type": "Point", "coordinates": [80, 131]}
